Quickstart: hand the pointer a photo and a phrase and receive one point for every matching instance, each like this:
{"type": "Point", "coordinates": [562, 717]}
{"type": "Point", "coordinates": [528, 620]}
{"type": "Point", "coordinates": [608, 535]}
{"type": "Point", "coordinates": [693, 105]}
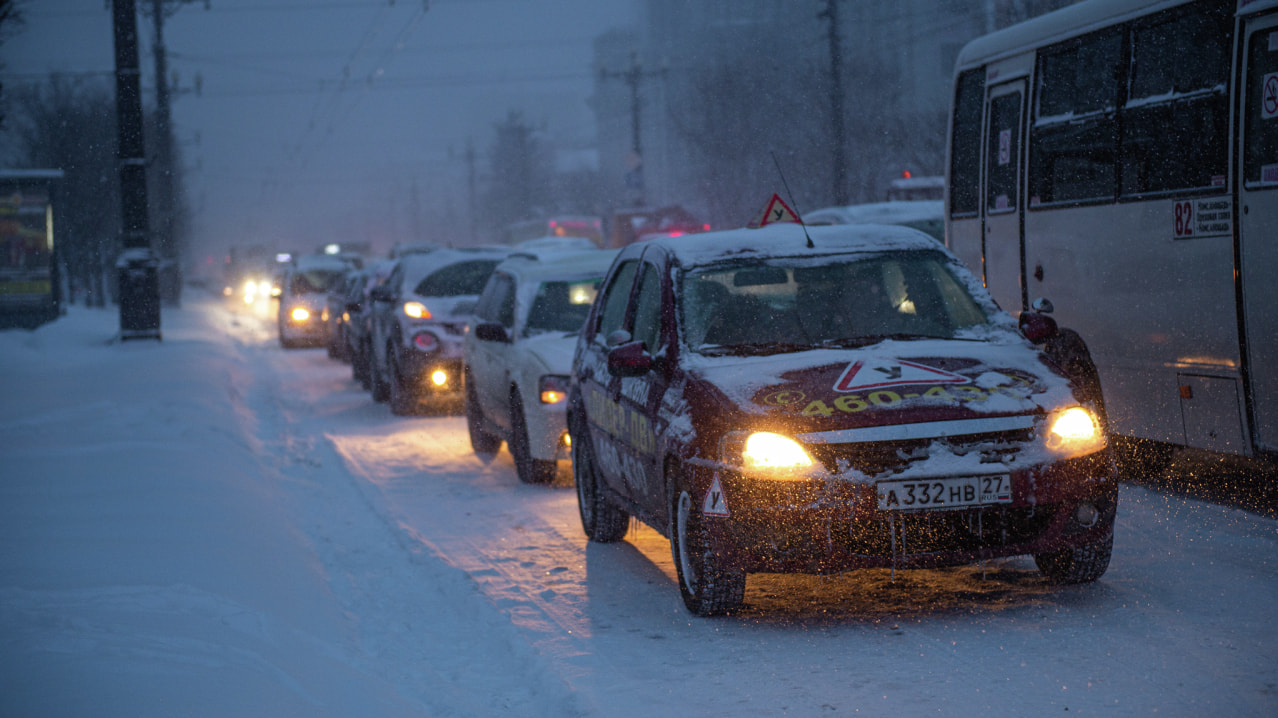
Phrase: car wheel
{"type": "Point", "coordinates": [361, 367]}
{"type": "Point", "coordinates": [403, 400]}
{"type": "Point", "coordinates": [381, 387]}
{"type": "Point", "coordinates": [330, 345]}
{"type": "Point", "coordinates": [600, 519]}
{"type": "Point", "coordinates": [708, 587]}
{"type": "Point", "coordinates": [530, 470]}
{"type": "Point", "coordinates": [481, 441]}
{"type": "Point", "coordinates": [1083, 564]}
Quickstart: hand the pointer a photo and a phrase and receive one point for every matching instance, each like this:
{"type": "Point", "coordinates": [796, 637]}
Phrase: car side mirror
{"type": "Point", "coordinates": [491, 332]}
{"type": "Point", "coordinates": [630, 359]}
{"type": "Point", "coordinates": [1037, 327]}
{"type": "Point", "coordinates": [353, 307]}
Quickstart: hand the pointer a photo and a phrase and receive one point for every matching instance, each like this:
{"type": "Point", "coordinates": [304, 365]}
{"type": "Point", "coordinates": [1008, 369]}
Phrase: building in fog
{"type": "Point", "coordinates": [758, 71]}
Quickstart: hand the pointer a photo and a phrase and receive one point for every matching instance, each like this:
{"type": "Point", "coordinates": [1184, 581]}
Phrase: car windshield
{"type": "Point", "coordinates": [561, 306]}
{"type": "Point", "coordinates": [313, 281]}
{"type": "Point", "coordinates": [788, 304]}
{"type": "Point", "coordinates": [457, 280]}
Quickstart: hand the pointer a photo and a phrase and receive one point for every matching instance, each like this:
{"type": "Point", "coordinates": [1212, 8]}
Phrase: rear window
{"type": "Point", "coordinates": [457, 280]}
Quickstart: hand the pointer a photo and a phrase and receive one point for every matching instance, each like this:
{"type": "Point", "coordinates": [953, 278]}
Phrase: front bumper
{"type": "Point", "coordinates": [829, 526]}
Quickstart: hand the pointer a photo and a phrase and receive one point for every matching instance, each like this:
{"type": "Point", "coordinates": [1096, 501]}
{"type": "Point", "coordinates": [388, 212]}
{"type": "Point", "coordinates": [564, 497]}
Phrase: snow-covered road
{"type": "Point", "coordinates": [214, 526]}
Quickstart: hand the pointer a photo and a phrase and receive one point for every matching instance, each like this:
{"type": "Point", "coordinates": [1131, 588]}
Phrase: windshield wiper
{"type": "Point", "coordinates": [754, 348]}
{"type": "Point", "coordinates": [868, 339]}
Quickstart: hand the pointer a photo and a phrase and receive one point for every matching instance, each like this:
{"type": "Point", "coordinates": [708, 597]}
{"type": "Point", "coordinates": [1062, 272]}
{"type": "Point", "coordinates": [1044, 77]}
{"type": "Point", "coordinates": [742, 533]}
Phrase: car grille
{"type": "Point", "coordinates": [947, 531]}
{"type": "Point", "coordinates": [882, 459]}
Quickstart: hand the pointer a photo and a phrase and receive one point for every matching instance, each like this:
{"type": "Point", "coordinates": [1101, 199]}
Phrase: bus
{"type": "Point", "coordinates": [1115, 163]}
{"type": "Point", "coordinates": [30, 291]}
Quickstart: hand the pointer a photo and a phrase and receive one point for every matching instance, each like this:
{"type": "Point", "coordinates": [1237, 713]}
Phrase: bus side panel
{"type": "Point", "coordinates": [1148, 306]}
{"type": "Point", "coordinates": [964, 239]}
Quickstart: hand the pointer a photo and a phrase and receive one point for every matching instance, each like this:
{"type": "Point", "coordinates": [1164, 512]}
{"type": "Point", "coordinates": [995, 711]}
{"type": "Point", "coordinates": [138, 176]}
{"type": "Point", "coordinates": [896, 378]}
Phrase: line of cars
{"type": "Point", "coordinates": [785, 399]}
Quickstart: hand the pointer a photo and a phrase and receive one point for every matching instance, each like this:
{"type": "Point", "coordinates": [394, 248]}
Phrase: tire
{"type": "Point", "coordinates": [530, 470]}
{"type": "Point", "coordinates": [602, 521]}
{"type": "Point", "coordinates": [1084, 564]}
{"type": "Point", "coordinates": [361, 366]}
{"type": "Point", "coordinates": [403, 400]}
{"type": "Point", "coordinates": [481, 442]}
{"type": "Point", "coordinates": [380, 386]}
{"type": "Point", "coordinates": [708, 587]}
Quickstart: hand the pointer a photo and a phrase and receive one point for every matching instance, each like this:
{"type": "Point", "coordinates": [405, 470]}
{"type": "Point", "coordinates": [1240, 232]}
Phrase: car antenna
{"type": "Point", "coordinates": [797, 213]}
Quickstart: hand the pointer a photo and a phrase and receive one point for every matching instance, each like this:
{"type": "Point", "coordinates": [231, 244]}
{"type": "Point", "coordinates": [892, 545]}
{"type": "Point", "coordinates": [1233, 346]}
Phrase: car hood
{"type": "Point", "coordinates": [894, 382]}
{"type": "Point", "coordinates": [553, 349]}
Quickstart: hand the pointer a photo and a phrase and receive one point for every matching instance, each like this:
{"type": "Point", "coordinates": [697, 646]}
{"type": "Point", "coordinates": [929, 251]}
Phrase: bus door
{"type": "Point", "coordinates": [1003, 248]}
{"type": "Point", "coordinates": [1258, 223]}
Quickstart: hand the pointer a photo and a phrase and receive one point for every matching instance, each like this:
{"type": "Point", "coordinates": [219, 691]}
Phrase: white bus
{"type": "Point", "coordinates": [1116, 163]}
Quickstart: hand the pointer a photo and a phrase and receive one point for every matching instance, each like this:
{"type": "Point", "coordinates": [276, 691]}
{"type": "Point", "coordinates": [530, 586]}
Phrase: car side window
{"type": "Point", "coordinates": [491, 299]}
{"type": "Point", "coordinates": [616, 297]}
{"type": "Point", "coordinates": [647, 325]}
{"type": "Point", "coordinates": [506, 307]}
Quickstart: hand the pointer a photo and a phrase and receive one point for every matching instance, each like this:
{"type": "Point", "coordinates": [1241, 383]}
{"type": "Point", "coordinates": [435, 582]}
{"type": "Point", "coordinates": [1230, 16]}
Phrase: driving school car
{"type": "Point", "coordinates": [774, 403]}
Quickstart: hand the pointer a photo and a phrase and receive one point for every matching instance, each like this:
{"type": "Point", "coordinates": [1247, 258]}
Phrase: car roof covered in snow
{"type": "Point", "coordinates": [788, 240]}
{"type": "Point", "coordinates": [879, 213]}
{"type": "Point", "coordinates": [558, 264]}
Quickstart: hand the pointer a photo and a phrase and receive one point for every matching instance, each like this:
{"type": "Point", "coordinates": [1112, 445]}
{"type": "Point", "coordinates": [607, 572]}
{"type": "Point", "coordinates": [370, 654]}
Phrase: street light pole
{"type": "Point", "coordinates": [633, 77]}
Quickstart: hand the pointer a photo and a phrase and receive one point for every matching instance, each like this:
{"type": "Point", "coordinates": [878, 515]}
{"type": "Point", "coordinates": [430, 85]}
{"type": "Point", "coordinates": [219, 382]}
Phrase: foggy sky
{"type": "Point", "coordinates": [315, 117]}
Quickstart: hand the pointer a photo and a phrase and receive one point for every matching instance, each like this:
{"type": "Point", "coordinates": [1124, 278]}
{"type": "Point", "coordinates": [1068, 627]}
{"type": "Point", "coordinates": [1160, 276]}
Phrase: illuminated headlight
{"type": "Point", "coordinates": [765, 454]}
{"type": "Point", "coordinates": [299, 314]}
{"type": "Point", "coordinates": [416, 310]}
{"type": "Point", "coordinates": [439, 377]}
{"type": "Point", "coordinates": [250, 288]}
{"type": "Point", "coordinates": [324, 314]}
{"type": "Point", "coordinates": [264, 288]}
{"type": "Point", "coordinates": [552, 389]}
{"type": "Point", "coordinates": [276, 291]}
{"type": "Point", "coordinates": [1073, 432]}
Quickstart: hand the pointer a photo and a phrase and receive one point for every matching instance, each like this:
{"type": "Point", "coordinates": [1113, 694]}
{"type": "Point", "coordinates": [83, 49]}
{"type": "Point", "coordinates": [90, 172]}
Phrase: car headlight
{"type": "Point", "coordinates": [300, 314]}
{"type": "Point", "coordinates": [416, 310]}
{"type": "Point", "coordinates": [552, 389]}
{"type": "Point", "coordinates": [1073, 432]}
{"type": "Point", "coordinates": [765, 454]}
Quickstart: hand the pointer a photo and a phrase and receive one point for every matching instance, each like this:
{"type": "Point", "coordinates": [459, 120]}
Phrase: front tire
{"type": "Point", "coordinates": [602, 521]}
{"type": "Point", "coordinates": [707, 586]}
{"type": "Point", "coordinates": [530, 470]}
{"type": "Point", "coordinates": [1083, 564]}
{"type": "Point", "coordinates": [403, 400]}
{"type": "Point", "coordinates": [381, 387]}
{"type": "Point", "coordinates": [481, 441]}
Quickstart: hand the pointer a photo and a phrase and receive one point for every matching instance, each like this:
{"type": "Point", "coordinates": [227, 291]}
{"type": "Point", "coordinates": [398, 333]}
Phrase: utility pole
{"type": "Point", "coordinates": [633, 77]}
{"type": "Point", "coordinates": [837, 130]}
{"type": "Point", "coordinates": [166, 240]}
{"type": "Point", "coordinates": [139, 285]}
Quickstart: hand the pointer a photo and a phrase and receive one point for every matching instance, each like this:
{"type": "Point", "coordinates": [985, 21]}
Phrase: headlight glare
{"type": "Point", "coordinates": [416, 310]}
{"type": "Point", "coordinates": [765, 454]}
{"type": "Point", "coordinates": [1074, 432]}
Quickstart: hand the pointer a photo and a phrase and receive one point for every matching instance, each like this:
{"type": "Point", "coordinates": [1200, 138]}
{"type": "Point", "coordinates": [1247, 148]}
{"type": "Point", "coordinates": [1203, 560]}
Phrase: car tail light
{"type": "Point", "coordinates": [552, 389]}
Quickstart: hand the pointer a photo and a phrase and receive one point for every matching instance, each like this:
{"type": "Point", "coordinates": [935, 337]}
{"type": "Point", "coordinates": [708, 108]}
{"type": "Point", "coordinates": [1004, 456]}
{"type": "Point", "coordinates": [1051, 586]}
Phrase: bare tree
{"type": "Point", "coordinates": [69, 124]}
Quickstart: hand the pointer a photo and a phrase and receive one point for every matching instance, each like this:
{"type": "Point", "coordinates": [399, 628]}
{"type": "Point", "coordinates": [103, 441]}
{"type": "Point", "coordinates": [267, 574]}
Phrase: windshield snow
{"type": "Point", "coordinates": [788, 304]}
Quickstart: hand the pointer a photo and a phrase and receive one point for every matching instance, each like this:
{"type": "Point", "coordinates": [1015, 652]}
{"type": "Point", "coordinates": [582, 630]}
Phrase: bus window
{"type": "Point", "coordinates": [1074, 136]}
{"type": "Point", "coordinates": [1260, 149]}
{"type": "Point", "coordinates": [965, 155]}
{"type": "Point", "coordinates": [1004, 152]}
{"type": "Point", "coordinates": [1175, 121]}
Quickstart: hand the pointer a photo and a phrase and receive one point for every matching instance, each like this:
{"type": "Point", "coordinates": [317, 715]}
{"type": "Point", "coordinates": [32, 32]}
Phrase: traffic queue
{"type": "Point", "coordinates": [775, 399]}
